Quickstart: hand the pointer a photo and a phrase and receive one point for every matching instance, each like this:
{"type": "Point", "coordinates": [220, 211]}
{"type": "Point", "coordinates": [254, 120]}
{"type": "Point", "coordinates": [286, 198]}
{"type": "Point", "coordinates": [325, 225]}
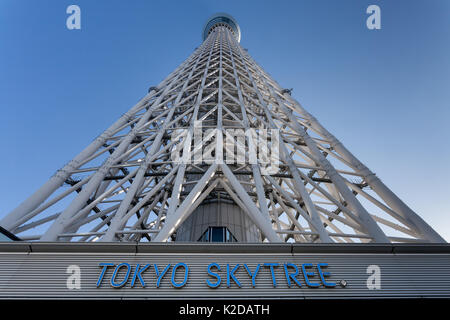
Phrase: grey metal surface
{"type": "Point", "coordinates": [222, 215]}
{"type": "Point", "coordinates": [38, 270]}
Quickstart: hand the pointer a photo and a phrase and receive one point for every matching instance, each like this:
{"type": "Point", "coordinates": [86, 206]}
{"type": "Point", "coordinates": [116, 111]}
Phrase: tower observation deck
{"type": "Point", "coordinates": [217, 152]}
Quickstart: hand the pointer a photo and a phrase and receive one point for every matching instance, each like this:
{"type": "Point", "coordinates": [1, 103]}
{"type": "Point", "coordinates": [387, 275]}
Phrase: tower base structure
{"type": "Point", "coordinates": [41, 270]}
{"type": "Point", "coordinates": [220, 151]}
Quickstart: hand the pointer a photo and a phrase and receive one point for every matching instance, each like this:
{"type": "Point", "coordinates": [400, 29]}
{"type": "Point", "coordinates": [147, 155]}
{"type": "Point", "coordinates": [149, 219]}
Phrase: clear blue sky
{"type": "Point", "coordinates": [384, 93]}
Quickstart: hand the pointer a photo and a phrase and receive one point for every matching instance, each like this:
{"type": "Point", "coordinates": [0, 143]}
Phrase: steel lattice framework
{"type": "Point", "coordinates": [125, 186]}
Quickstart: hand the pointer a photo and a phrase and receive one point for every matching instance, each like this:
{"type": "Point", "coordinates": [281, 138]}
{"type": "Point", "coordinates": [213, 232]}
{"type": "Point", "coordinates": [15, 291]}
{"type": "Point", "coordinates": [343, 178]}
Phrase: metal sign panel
{"type": "Point", "coordinates": [164, 271]}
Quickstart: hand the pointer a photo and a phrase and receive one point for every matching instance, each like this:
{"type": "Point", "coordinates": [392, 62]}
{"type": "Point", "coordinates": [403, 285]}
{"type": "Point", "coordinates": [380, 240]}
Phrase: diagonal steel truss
{"type": "Point", "coordinates": [126, 186]}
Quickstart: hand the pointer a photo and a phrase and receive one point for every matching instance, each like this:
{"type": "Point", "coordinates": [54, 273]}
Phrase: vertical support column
{"type": "Point", "coordinates": [64, 218]}
{"type": "Point", "coordinates": [372, 227]}
{"type": "Point", "coordinates": [61, 175]}
{"type": "Point", "coordinates": [219, 128]}
{"type": "Point", "coordinates": [298, 182]}
{"type": "Point", "coordinates": [255, 168]}
{"type": "Point", "coordinates": [416, 222]}
{"type": "Point", "coordinates": [263, 224]}
{"type": "Point", "coordinates": [117, 222]}
{"type": "Point", "coordinates": [180, 214]}
{"type": "Point", "coordinates": [175, 216]}
{"type": "Point", "coordinates": [176, 190]}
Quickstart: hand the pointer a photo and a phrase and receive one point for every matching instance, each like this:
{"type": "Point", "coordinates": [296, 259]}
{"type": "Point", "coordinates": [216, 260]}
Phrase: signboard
{"type": "Point", "coordinates": [190, 271]}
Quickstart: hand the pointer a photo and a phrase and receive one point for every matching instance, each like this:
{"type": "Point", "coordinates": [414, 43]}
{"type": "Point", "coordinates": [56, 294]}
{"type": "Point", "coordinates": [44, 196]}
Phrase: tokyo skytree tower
{"type": "Point", "coordinates": [217, 152]}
